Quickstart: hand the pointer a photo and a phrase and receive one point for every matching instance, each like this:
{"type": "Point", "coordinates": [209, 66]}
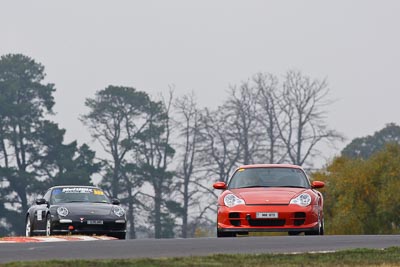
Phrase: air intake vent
{"type": "Point", "coordinates": [266, 222]}
{"type": "Point", "coordinates": [234, 215]}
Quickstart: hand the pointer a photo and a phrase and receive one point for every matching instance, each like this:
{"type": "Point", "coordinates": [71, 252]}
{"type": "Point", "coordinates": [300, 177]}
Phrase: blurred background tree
{"type": "Point", "coordinates": [33, 155]}
{"type": "Point", "coordinates": [361, 194]}
{"type": "Point", "coordinates": [364, 147]}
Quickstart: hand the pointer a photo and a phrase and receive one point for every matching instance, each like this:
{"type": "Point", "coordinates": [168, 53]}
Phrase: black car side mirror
{"type": "Point", "coordinates": [41, 201]}
{"type": "Point", "coordinates": [116, 201]}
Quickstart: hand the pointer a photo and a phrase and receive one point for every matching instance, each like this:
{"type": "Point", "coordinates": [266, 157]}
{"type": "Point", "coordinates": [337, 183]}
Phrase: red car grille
{"type": "Point", "coordinates": [266, 222]}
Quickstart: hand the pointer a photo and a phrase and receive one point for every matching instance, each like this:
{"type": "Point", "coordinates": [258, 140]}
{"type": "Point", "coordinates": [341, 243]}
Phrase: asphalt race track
{"type": "Point", "coordinates": [154, 248]}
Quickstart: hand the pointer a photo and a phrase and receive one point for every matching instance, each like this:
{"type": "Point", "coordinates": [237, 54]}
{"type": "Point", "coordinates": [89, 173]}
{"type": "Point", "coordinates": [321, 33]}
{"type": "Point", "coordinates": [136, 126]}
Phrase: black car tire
{"type": "Point", "coordinates": [49, 230]}
{"type": "Point", "coordinates": [320, 230]}
{"type": "Point", "coordinates": [28, 227]}
{"type": "Point", "coordinates": [226, 234]}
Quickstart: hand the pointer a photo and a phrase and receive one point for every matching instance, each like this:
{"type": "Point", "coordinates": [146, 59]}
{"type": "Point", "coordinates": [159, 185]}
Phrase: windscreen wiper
{"type": "Point", "coordinates": [250, 186]}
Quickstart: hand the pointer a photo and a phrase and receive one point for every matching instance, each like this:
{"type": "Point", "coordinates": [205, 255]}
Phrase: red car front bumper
{"type": "Point", "coordinates": [242, 218]}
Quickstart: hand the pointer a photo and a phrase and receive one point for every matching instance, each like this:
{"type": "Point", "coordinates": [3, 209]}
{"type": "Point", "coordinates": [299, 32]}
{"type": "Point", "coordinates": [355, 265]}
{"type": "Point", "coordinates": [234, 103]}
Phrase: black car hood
{"type": "Point", "coordinates": [85, 208]}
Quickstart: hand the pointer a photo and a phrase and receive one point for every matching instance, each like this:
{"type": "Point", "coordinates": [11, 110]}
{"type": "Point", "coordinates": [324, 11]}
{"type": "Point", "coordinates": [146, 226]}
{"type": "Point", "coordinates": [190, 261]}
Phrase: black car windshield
{"type": "Point", "coordinates": [78, 194]}
{"type": "Point", "coordinates": [269, 177]}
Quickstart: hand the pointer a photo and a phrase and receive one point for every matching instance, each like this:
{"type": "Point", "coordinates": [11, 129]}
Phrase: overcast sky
{"type": "Point", "coordinates": [205, 46]}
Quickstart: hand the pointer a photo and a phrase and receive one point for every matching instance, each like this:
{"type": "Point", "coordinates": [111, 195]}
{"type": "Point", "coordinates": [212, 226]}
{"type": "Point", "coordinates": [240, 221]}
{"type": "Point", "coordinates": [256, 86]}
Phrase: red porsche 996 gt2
{"type": "Point", "coordinates": [270, 198]}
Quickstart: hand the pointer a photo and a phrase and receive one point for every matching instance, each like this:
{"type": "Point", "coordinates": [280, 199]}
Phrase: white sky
{"type": "Point", "coordinates": [204, 46]}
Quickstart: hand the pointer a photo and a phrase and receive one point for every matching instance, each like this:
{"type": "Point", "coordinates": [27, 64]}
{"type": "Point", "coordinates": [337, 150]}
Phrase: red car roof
{"type": "Point", "coordinates": [270, 166]}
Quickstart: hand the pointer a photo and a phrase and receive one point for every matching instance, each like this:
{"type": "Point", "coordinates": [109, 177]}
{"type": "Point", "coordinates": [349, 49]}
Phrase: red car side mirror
{"type": "Point", "coordinates": [219, 185]}
{"type": "Point", "coordinates": [317, 184]}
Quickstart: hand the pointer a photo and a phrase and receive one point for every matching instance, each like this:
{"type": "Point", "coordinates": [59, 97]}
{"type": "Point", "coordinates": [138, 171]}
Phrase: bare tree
{"type": "Point", "coordinates": [301, 122]}
{"type": "Point", "coordinates": [220, 151]}
{"type": "Point", "coordinates": [188, 125]}
{"type": "Point", "coordinates": [240, 108]}
{"type": "Point", "coordinates": [266, 86]}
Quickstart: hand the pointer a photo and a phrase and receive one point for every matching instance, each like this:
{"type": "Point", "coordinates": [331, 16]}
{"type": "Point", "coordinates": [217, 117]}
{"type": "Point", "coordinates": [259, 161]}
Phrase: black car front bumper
{"type": "Point", "coordinates": [108, 226]}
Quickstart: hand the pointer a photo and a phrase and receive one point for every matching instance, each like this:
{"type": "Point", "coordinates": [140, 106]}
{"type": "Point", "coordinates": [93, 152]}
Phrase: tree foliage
{"type": "Point", "coordinates": [361, 195]}
{"type": "Point", "coordinates": [154, 155]}
{"type": "Point", "coordinates": [117, 116]}
{"type": "Point", "coordinates": [364, 147]}
{"type": "Point", "coordinates": [134, 133]}
{"type": "Point", "coordinates": [33, 155]}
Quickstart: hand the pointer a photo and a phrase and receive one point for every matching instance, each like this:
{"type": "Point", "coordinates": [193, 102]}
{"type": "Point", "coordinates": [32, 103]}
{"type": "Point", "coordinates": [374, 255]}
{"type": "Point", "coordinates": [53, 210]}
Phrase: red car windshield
{"type": "Point", "coordinates": [269, 177]}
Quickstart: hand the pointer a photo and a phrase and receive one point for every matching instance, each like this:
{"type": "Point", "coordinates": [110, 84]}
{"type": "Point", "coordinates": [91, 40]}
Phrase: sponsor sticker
{"type": "Point", "coordinates": [83, 190]}
{"type": "Point", "coordinates": [57, 191]}
{"type": "Point", "coordinates": [98, 192]}
{"type": "Point", "coordinates": [39, 216]}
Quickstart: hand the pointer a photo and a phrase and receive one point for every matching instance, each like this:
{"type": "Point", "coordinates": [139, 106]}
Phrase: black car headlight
{"type": "Point", "coordinates": [62, 211]}
{"type": "Point", "coordinates": [117, 210]}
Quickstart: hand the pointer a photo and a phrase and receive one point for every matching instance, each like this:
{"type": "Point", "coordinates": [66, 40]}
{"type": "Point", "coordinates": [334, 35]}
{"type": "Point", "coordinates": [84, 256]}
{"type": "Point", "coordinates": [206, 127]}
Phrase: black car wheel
{"type": "Point", "coordinates": [319, 231]}
{"type": "Point", "coordinates": [322, 228]}
{"type": "Point", "coordinates": [49, 230]}
{"type": "Point", "coordinates": [28, 227]}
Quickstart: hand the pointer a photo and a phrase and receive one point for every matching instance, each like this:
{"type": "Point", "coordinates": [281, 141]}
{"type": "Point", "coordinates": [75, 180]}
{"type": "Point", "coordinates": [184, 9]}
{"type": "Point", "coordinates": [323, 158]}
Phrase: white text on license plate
{"type": "Point", "coordinates": [267, 215]}
{"type": "Point", "coordinates": [94, 222]}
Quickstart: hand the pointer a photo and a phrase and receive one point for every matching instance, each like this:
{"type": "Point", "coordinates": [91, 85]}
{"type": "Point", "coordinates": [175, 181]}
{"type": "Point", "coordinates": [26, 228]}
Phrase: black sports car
{"type": "Point", "coordinates": [76, 210]}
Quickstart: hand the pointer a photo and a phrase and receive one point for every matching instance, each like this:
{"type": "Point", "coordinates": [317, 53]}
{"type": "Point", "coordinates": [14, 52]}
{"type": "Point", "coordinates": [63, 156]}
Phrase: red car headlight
{"type": "Point", "coordinates": [302, 200]}
{"type": "Point", "coordinates": [231, 200]}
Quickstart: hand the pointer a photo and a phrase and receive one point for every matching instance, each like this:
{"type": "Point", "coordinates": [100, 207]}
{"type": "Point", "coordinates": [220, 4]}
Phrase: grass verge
{"type": "Point", "coordinates": [356, 257]}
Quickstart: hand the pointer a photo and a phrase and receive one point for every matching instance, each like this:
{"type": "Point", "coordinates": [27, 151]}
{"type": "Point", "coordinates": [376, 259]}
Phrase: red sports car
{"type": "Point", "coordinates": [270, 198]}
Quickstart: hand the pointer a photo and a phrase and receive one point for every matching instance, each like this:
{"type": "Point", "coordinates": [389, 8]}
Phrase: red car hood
{"type": "Point", "coordinates": [264, 195]}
